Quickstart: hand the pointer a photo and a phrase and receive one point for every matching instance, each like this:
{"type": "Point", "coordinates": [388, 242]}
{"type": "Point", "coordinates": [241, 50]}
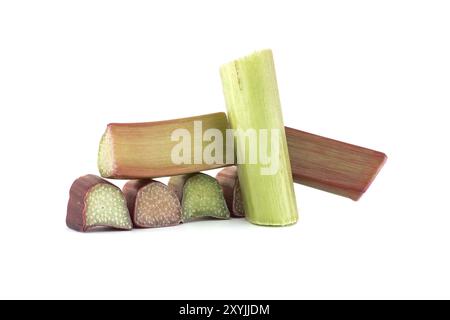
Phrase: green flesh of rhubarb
{"type": "Point", "coordinates": [202, 197]}
{"type": "Point", "coordinates": [106, 206]}
{"type": "Point", "coordinates": [251, 95]}
{"type": "Point", "coordinates": [105, 156]}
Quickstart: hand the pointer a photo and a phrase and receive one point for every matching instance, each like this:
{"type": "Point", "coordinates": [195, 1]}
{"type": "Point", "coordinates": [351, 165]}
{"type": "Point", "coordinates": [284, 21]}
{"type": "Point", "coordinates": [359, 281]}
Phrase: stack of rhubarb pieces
{"type": "Point", "coordinates": [261, 159]}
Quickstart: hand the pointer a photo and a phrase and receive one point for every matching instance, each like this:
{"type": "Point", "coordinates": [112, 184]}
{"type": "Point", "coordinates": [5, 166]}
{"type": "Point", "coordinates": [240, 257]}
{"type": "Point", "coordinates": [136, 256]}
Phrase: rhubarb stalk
{"type": "Point", "coordinates": [146, 150]}
{"type": "Point", "coordinates": [333, 166]}
{"type": "Point", "coordinates": [253, 103]}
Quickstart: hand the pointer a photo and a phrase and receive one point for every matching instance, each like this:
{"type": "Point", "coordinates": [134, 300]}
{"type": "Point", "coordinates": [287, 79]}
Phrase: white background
{"type": "Point", "coordinates": [373, 73]}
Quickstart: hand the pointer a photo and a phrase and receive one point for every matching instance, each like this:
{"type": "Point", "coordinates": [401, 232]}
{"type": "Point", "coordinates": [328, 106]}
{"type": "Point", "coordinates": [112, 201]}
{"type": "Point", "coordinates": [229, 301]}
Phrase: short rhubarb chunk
{"type": "Point", "coordinates": [176, 184]}
{"type": "Point", "coordinates": [152, 204]}
{"type": "Point", "coordinates": [94, 202]}
{"type": "Point", "coordinates": [201, 197]}
{"type": "Point", "coordinates": [228, 180]}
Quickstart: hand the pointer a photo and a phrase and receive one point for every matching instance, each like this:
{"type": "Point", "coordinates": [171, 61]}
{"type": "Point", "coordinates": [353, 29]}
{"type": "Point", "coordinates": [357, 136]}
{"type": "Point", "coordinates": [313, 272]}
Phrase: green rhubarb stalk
{"type": "Point", "coordinates": [251, 95]}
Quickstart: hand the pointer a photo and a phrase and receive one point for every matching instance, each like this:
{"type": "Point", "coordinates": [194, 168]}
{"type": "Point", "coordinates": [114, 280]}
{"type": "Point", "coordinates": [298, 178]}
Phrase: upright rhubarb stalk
{"type": "Point", "coordinates": [251, 95]}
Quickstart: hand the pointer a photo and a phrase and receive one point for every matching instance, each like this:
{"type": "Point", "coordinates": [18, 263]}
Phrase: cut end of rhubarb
{"type": "Point", "coordinates": [381, 160]}
{"type": "Point", "coordinates": [106, 206]}
{"type": "Point", "coordinates": [157, 206]}
{"type": "Point", "coordinates": [249, 58]}
{"type": "Point", "coordinates": [154, 205]}
{"type": "Point", "coordinates": [202, 197]}
{"type": "Point", "coordinates": [95, 202]}
{"type": "Point", "coordinates": [106, 156]}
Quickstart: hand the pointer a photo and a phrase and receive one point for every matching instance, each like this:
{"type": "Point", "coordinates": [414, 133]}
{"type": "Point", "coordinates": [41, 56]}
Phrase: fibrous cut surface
{"type": "Point", "coordinates": [156, 206]}
{"type": "Point", "coordinates": [105, 155]}
{"type": "Point", "coordinates": [203, 197]}
{"type": "Point", "coordinates": [106, 206]}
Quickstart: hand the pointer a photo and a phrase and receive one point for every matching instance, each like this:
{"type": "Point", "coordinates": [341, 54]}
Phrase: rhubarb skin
{"type": "Point", "coordinates": [143, 150]}
{"type": "Point", "coordinates": [333, 166]}
{"type": "Point", "coordinates": [77, 207]}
